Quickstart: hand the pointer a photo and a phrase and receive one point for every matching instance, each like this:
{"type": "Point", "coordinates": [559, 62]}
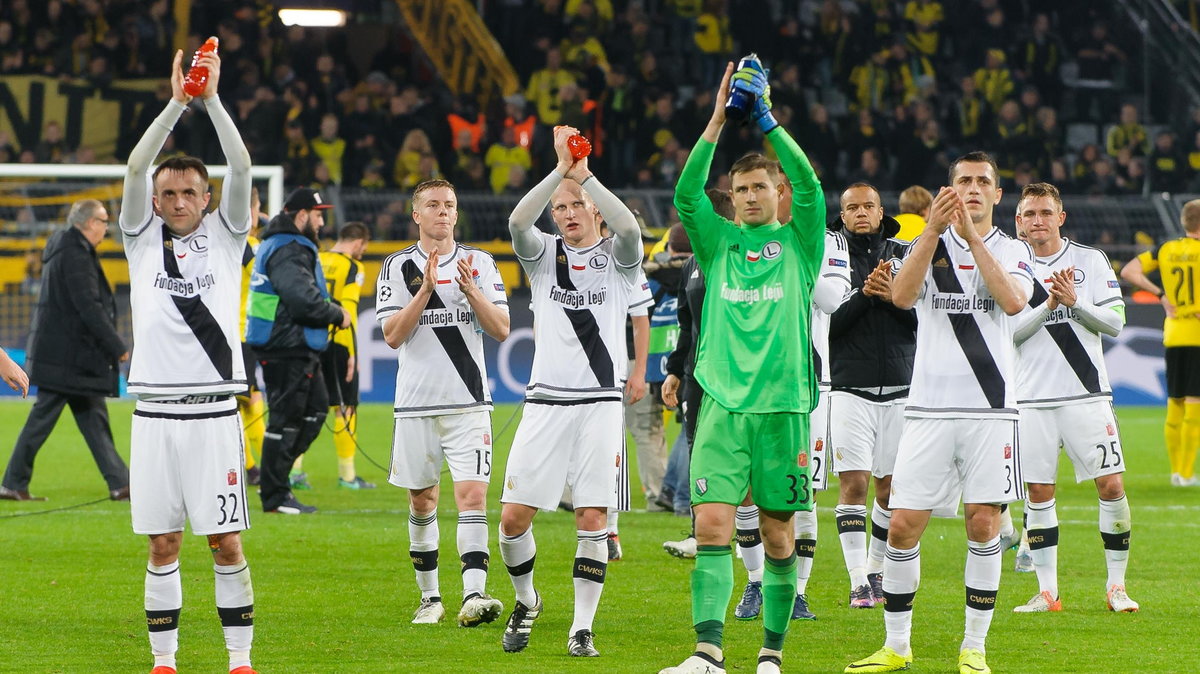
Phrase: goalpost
{"type": "Point", "coordinates": [273, 175]}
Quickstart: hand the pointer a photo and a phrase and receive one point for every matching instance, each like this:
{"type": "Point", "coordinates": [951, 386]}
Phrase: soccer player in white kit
{"type": "Point", "coordinates": [434, 300]}
{"type": "Point", "coordinates": [571, 431]}
{"type": "Point", "coordinates": [1064, 395]}
{"type": "Point", "coordinates": [967, 280]}
{"type": "Point", "coordinates": [186, 456]}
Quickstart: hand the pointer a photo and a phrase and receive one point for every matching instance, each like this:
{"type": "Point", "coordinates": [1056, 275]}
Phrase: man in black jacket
{"type": "Point", "coordinates": [872, 346]}
{"type": "Point", "coordinates": [288, 320]}
{"type": "Point", "coordinates": [74, 350]}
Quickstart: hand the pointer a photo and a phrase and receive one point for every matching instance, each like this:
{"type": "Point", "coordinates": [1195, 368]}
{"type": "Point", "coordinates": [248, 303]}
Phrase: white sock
{"type": "Point", "coordinates": [749, 539]}
{"type": "Point", "coordinates": [982, 578]}
{"type": "Point", "coordinates": [473, 551]}
{"type": "Point", "coordinates": [901, 578]}
{"type": "Point", "coordinates": [881, 522]}
{"type": "Point", "coordinates": [423, 550]}
{"type": "Point", "coordinates": [164, 599]}
{"type": "Point", "coordinates": [518, 553]}
{"type": "Point", "coordinates": [235, 607]}
{"type": "Point", "coordinates": [1007, 529]}
{"type": "Point", "coordinates": [1115, 527]}
{"type": "Point", "coordinates": [613, 516]}
{"type": "Point", "coordinates": [805, 526]}
{"type": "Point", "coordinates": [852, 531]}
{"type": "Point", "coordinates": [1042, 532]}
{"type": "Point", "coordinates": [591, 564]}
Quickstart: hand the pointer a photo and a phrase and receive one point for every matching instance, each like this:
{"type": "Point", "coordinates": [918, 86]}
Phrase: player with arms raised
{"type": "Point", "coordinates": [571, 432]}
{"type": "Point", "coordinates": [754, 363]}
{"type": "Point", "coordinates": [1064, 395]}
{"type": "Point", "coordinates": [186, 453]}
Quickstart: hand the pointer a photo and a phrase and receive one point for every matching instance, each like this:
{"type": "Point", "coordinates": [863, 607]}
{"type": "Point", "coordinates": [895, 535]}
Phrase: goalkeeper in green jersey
{"type": "Point", "coordinates": [754, 364]}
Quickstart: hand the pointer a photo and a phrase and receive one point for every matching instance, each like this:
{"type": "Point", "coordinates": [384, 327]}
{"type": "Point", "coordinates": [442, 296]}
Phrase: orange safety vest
{"type": "Point", "coordinates": [522, 131]}
{"type": "Point", "coordinates": [458, 123]}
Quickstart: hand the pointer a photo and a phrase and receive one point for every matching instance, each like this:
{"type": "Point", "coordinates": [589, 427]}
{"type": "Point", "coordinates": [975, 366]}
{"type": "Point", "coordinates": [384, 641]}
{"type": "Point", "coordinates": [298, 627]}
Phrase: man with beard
{"type": "Point", "coordinates": [287, 322]}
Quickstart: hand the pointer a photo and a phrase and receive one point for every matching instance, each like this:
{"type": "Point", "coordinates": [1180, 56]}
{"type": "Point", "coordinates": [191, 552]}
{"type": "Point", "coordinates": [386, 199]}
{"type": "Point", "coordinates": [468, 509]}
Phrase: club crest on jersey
{"type": "Point", "coordinates": [772, 250]}
{"type": "Point", "coordinates": [1007, 451]}
{"type": "Point", "coordinates": [701, 486]}
{"type": "Point", "coordinates": [598, 261]}
{"type": "Point", "coordinates": [231, 477]}
{"type": "Point", "coordinates": [199, 244]}
{"type": "Point", "coordinates": [1077, 276]}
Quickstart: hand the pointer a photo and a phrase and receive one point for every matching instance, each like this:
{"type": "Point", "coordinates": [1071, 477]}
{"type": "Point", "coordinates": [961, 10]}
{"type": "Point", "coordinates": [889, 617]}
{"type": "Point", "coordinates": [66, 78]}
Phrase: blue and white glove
{"type": "Point", "coordinates": [754, 81]}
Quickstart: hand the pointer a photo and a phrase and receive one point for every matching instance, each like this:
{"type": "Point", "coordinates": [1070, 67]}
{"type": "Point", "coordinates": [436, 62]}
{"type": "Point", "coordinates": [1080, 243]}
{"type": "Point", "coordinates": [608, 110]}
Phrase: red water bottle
{"type": "Point", "coordinates": [579, 146]}
{"type": "Point", "coordinates": [197, 76]}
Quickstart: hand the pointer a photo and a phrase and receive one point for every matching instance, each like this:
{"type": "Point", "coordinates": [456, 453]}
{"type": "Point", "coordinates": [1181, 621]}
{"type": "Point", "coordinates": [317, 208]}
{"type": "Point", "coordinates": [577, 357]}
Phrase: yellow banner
{"type": "Point", "coordinates": [89, 115]}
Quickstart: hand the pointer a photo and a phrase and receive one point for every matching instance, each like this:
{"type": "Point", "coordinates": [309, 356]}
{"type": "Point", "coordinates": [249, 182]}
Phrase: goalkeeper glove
{"type": "Point", "coordinates": [754, 82]}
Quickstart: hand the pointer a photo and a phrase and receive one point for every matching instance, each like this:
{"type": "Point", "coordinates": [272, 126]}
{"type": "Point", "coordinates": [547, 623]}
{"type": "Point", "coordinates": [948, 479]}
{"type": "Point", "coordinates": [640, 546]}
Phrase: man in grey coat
{"type": "Point", "coordinates": [74, 352]}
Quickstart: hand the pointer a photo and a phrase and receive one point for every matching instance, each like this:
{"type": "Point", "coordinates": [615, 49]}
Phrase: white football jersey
{"type": "Point", "coordinates": [579, 299]}
{"type": "Point", "coordinates": [966, 360]}
{"type": "Point", "coordinates": [1063, 361]}
{"type": "Point", "coordinates": [441, 368]}
{"type": "Point", "coordinates": [185, 294]}
{"type": "Point", "coordinates": [835, 269]}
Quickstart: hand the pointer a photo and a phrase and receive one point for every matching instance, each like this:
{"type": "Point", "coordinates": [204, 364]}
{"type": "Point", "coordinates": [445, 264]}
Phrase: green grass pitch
{"type": "Point", "coordinates": [335, 591]}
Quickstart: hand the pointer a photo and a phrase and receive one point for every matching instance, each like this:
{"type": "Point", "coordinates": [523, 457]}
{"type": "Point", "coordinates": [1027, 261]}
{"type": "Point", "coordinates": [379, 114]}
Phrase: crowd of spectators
{"type": "Point", "coordinates": [886, 91]}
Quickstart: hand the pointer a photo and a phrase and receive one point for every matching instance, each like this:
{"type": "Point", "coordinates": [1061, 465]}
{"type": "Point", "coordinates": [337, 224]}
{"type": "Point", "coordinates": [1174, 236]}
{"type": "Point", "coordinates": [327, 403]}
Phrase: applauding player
{"type": "Point", "coordinates": [1064, 396]}
{"type": "Point", "coordinates": [434, 299]}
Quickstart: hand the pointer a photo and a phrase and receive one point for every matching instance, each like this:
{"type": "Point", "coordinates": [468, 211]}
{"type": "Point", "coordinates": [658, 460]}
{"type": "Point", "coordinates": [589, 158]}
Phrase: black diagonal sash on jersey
{"type": "Point", "coordinates": [1038, 296]}
{"type": "Point", "coordinates": [449, 336]}
{"type": "Point", "coordinates": [197, 316]}
{"type": "Point", "coordinates": [1076, 355]}
{"type": "Point", "coordinates": [967, 332]}
{"type": "Point", "coordinates": [583, 321]}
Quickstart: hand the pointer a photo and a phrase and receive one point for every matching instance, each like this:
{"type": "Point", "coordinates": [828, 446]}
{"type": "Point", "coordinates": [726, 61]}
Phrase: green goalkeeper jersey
{"type": "Point", "coordinates": [754, 353]}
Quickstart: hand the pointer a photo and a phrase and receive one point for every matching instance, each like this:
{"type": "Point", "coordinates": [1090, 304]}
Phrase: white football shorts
{"type": "Point", "coordinates": [421, 444]}
{"type": "Point", "coordinates": [818, 434]}
{"type": "Point", "coordinates": [185, 464]}
{"type": "Point", "coordinates": [580, 445]}
{"type": "Point", "coordinates": [865, 435]}
{"type": "Point", "coordinates": [1088, 431]}
{"type": "Point", "coordinates": [941, 458]}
